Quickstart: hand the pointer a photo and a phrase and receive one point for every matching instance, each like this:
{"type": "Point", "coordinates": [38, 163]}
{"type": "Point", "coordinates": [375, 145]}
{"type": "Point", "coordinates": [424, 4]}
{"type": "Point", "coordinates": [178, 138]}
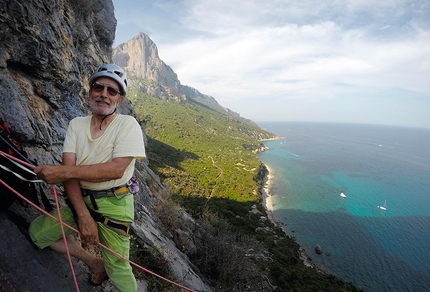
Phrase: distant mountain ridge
{"type": "Point", "coordinates": [139, 57]}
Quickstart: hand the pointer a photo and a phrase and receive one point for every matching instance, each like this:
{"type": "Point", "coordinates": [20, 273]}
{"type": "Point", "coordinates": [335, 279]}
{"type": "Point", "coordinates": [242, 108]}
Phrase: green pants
{"type": "Point", "coordinates": [45, 231]}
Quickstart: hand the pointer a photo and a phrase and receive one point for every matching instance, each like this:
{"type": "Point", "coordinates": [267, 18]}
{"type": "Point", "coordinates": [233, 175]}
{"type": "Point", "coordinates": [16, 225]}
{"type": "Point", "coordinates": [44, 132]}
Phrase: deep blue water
{"type": "Point", "coordinates": [375, 249]}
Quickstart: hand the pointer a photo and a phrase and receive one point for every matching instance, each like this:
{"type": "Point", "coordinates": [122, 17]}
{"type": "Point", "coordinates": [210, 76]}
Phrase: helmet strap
{"type": "Point", "coordinates": [106, 117]}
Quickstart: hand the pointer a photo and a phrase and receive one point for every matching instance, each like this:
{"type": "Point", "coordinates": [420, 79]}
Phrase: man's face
{"type": "Point", "coordinates": [104, 96]}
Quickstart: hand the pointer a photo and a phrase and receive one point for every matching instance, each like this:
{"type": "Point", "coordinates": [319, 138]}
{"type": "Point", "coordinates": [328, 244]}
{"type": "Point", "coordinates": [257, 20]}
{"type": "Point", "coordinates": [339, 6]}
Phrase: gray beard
{"type": "Point", "coordinates": [101, 112]}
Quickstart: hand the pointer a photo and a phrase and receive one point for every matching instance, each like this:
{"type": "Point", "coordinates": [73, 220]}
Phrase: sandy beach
{"type": "Point", "coordinates": [272, 139]}
{"type": "Point", "coordinates": [266, 195]}
{"type": "Point", "coordinates": [268, 205]}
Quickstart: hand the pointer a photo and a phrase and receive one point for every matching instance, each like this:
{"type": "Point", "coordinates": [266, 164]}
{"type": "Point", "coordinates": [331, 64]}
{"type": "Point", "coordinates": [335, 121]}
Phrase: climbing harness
{"type": "Point", "coordinates": [119, 192]}
{"type": "Point", "coordinates": [121, 227]}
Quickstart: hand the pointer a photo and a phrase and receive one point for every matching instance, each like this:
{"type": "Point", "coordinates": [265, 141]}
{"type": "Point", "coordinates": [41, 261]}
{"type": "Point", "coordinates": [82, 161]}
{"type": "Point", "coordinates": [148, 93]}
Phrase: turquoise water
{"type": "Point", "coordinates": [375, 249]}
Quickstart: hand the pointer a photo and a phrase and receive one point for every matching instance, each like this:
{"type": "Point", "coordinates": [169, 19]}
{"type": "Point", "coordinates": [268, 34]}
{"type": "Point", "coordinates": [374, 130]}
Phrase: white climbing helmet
{"type": "Point", "coordinates": [114, 72]}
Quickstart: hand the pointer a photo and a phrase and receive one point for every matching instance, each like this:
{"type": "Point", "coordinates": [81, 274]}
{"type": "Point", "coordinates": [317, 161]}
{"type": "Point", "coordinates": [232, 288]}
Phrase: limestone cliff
{"type": "Point", "coordinates": [140, 57]}
{"type": "Point", "coordinates": [48, 49]}
{"type": "Point", "coordinates": [161, 80]}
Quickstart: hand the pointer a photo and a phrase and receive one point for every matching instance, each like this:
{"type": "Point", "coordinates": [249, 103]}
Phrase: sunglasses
{"type": "Point", "coordinates": [99, 87]}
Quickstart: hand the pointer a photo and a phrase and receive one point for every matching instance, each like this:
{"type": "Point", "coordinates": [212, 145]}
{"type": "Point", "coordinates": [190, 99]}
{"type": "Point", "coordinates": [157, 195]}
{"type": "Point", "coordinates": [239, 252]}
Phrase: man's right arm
{"type": "Point", "coordinates": [87, 225]}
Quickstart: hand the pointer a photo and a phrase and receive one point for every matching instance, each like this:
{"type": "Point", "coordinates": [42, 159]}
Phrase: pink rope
{"type": "Point", "coordinates": [77, 231]}
{"type": "Point", "coordinates": [65, 239]}
{"type": "Point", "coordinates": [17, 160]}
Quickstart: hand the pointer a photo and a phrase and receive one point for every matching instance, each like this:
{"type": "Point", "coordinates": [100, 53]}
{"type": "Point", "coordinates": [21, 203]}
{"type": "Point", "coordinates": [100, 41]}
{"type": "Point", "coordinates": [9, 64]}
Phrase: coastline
{"type": "Point", "coordinates": [268, 206]}
{"type": "Point", "coordinates": [267, 196]}
{"type": "Point", "coordinates": [272, 139]}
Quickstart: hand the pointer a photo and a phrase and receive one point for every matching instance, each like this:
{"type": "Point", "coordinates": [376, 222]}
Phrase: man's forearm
{"type": "Point", "coordinates": [93, 173]}
{"type": "Point", "coordinates": [54, 174]}
{"type": "Point", "coordinates": [74, 194]}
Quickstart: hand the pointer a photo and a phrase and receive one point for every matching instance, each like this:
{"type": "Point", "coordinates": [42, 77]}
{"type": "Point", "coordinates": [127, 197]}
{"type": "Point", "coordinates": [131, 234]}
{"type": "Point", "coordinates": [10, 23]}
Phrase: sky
{"type": "Point", "coordinates": [358, 61]}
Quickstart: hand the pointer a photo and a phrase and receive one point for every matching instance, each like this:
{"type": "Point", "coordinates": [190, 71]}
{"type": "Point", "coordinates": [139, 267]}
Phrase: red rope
{"type": "Point", "coordinates": [16, 159]}
{"type": "Point", "coordinates": [77, 231]}
{"type": "Point", "coordinates": [65, 239]}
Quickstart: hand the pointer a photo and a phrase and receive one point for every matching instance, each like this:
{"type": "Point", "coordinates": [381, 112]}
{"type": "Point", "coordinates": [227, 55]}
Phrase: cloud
{"type": "Point", "coordinates": [320, 52]}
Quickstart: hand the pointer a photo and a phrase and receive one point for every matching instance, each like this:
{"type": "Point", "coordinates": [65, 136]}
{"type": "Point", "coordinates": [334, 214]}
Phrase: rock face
{"type": "Point", "coordinates": [48, 49]}
{"type": "Point", "coordinates": [46, 55]}
{"type": "Point", "coordinates": [130, 55]}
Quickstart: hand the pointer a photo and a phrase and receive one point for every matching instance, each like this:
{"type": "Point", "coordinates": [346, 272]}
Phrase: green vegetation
{"type": "Point", "coordinates": [206, 158]}
{"type": "Point", "coordinates": [203, 155]}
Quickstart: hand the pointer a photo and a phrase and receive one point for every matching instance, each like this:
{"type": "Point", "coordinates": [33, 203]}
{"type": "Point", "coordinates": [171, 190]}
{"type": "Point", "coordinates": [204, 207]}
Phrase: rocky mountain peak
{"type": "Point", "coordinates": [139, 57]}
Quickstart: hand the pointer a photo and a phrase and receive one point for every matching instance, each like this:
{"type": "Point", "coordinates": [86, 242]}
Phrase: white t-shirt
{"type": "Point", "coordinates": [122, 138]}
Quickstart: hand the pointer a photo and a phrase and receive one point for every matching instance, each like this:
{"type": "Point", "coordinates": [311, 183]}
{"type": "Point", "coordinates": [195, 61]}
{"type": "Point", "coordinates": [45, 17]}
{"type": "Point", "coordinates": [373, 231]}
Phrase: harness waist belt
{"type": "Point", "coordinates": [121, 190]}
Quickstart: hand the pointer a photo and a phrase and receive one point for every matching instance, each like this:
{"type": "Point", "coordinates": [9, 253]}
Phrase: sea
{"type": "Point", "coordinates": [373, 166]}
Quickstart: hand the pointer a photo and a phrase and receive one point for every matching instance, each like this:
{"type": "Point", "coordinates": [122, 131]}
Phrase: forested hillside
{"type": "Point", "coordinates": [203, 154]}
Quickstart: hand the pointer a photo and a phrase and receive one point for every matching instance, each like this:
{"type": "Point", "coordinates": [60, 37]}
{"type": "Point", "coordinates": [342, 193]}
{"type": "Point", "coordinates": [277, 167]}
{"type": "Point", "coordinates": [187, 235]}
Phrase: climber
{"type": "Point", "coordinates": [99, 154]}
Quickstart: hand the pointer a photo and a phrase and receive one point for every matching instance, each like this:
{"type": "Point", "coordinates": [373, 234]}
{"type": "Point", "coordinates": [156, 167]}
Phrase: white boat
{"type": "Point", "coordinates": [342, 195]}
{"type": "Point", "coordinates": [383, 207]}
